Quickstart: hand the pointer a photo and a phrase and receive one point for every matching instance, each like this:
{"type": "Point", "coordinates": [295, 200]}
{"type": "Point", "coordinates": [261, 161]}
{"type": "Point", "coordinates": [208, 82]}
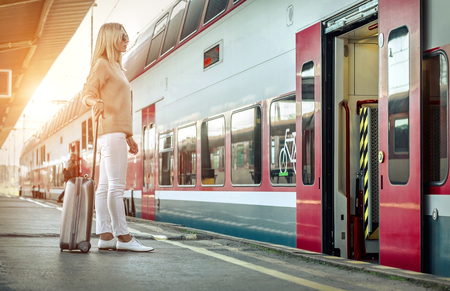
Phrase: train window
{"type": "Point", "coordinates": [166, 159]}
{"type": "Point", "coordinates": [398, 105]}
{"type": "Point", "coordinates": [215, 7]}
{"type": "Point", "coordinates": [192, 20]}
{"type": "Point", "coordinates": [174, 27]}
{"type": "Point", "coordinates": [212, 55]}
{"type": "Point", "coordinates": [246, 147]}
{"type": "Point", "coordinates": [187, 156]}
{"type": "Point", "coordinates": [283, 150]}
{"type": "Point", "coordinates": [236, 1]}
{"type": "Point", "coordinates": [155, 45]}
{"type": "Point", "coordinates": [83, 136]}
{"type": "Point", "coordinates": [90, 135]}
{"type": "Point", "coordinates": [435, 103]}
{"type": "Point", "coordinates": [213, 151]}
{"type": "Point", "coordinates": [42, 154]}
{"type": "Point", "coordinates": [308, 126]}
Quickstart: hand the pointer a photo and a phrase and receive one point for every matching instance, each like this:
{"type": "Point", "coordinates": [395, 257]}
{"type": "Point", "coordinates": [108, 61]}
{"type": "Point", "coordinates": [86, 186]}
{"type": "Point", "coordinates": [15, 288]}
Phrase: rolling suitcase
{"type": "Point", "coordinates": [78, 207]}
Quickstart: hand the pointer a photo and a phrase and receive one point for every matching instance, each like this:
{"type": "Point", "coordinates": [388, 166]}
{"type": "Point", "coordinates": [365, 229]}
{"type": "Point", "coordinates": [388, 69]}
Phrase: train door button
{"type": "Point", "coordinates": [381, 157]}
{"type": "Point", "coordinates": [380, 40]}
{"type": "Point", "coordinates": [435, 214]}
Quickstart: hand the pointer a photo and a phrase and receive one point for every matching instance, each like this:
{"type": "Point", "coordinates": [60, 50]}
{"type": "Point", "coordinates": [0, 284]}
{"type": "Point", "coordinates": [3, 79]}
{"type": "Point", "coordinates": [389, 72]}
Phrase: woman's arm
{"type": "Point", "coordinates": [91, 90]}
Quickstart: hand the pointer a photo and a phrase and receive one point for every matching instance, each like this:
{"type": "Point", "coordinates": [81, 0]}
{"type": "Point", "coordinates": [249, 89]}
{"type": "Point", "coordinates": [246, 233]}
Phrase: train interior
{"type": "Point", "coordinates": [356, 85]}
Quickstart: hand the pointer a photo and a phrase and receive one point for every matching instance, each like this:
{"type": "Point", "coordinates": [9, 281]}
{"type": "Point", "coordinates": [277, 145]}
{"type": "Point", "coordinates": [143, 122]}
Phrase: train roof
{"type": "Point", "coordinates": [69, 112]}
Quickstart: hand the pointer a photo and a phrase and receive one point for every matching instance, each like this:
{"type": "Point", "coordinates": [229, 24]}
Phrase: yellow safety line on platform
{"type": "Point", "coordinates": [260, 269]}
{"type": "Point", "coordinates": [413, 273]}
{"type": "Point", "coordinates": [358, 262]}
{"type": "Point", "coordinates": [385, 267]}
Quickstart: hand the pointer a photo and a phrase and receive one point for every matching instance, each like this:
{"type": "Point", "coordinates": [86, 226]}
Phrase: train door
{"type": "Point", "coordinates": [400, 122]}
{"type": "Point", "coordinates": [148, 162]}
{"type": "Point", "coordinates": [309, 95]}
{"type": "Point", "coordinates": [373, 52]}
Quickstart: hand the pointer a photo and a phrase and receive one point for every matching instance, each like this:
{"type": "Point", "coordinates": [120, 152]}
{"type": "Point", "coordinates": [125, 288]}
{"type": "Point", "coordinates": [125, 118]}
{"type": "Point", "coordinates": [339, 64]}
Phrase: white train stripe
{"type": "Point", "coordinates": [277, 199]}
{"type": "Point", "coordinates": [440, 202]}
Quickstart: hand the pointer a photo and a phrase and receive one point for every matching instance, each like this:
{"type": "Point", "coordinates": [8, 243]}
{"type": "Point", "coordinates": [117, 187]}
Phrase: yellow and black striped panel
{"type": "Point", "coordinates": [363, 163]}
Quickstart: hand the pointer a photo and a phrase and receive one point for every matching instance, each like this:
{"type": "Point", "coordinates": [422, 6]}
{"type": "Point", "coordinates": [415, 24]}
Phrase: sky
{"type": "Point", "coordinates": [68, 74]}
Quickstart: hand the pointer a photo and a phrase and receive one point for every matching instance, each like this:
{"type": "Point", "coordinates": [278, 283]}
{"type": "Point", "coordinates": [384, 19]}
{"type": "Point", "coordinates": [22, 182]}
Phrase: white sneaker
{"type": "Point", "coordinates": [133, 245]}
{"type": "Point", "coordinates": [107, 244]}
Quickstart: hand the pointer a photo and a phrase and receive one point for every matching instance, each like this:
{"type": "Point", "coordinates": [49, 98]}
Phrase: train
{"type": "Point", "coordinates": [219, 89]}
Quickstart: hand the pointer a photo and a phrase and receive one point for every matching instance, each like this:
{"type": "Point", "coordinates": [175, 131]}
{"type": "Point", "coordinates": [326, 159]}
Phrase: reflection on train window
{"type": "Point", "coordinates": [174, 27]}
{"type": "Point", "coordinates": [401, 135]}
{"type": "Point", "coordinates": [435, 103]}
{"type": "Point", "coordinates": [157, 38]}
{"type": "Point", "coordinates": [192, 20]}
{"type": "Point", "coordinates": [166, 159]}
{"type": "Point", "coordinates": [187, 156]}
{"type": "Point", "coordinates": [282, 139]}
{"type": "Point", "coordinates": [398, 105]}
{"type": "Point", "coordinates": [213, 151]}
{"type": "Point", "coordinates": [308, 126]}
{"type": "Point", "coordinates": [236, 1]}
{"type": "Point", "coordinates": [246, 147]}
{"type": "Point", "coordinates": [215, 7]}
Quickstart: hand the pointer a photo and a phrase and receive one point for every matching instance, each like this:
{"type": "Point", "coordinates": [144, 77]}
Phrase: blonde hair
{"type": "Point", "coordinates": [106, 46]}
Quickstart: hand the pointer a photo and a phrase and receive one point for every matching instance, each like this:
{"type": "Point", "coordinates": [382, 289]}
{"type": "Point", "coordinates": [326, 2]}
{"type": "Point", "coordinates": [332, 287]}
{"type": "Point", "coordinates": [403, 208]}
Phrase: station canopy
{"type": "Point", "coordinates": [33, 33]}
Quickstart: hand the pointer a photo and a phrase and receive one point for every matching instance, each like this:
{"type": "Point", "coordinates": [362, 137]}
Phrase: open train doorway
{"type": "Point", "coordinates": [354, 67]}
{"type": "Point", "coordinates": [375, 69]}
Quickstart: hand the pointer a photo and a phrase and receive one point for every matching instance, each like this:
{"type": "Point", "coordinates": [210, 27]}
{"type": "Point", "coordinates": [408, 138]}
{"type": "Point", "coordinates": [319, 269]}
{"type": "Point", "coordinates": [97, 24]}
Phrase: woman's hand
{"type": "Point", "coordinates": [133, 145]}
{"type": "Point", "coordinates": [99, 109]}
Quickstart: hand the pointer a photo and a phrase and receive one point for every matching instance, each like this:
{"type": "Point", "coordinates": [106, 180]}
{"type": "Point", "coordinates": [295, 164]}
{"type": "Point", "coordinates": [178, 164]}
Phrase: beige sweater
{"type": "Point", "coordinates": [112, 87]}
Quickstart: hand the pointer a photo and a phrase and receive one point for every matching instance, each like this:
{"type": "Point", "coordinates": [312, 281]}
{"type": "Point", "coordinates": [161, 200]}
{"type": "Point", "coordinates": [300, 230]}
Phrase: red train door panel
{"type": "Point", "coordinates": [148, 163]}
{"type": "Point", "coordinates": [400, 133]}
{"type": "Point", "coordinates": [308, 84]}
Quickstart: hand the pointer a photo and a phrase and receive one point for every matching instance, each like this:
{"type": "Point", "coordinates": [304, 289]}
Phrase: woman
{"type": "Point", "coordinates": [107, 91]}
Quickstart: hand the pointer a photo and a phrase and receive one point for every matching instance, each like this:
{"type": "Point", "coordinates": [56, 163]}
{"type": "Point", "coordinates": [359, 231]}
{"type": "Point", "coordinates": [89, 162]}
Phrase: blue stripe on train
{"type": "Point", "coordinates": [263, 223]}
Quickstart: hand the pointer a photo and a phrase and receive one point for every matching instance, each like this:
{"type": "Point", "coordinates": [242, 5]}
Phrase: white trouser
{"type": "Point", "coordinates": [111, 185]}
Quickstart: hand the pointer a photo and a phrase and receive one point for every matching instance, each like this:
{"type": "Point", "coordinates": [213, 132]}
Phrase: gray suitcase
{"type": "Point", "coordinates": [76, 219]}
{"type": "Point", "coordinates": [78, 206]}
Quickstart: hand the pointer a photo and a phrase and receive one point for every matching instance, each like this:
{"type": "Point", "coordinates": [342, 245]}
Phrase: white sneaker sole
{"type": "Point", "coordinates": [126, 250]}
{"type": "Point", "coordinates": [107, 249]}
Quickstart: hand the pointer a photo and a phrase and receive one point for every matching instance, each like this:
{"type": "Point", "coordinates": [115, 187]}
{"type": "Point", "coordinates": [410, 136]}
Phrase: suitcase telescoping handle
{"type": "Point", "coordinates": [95, 149]}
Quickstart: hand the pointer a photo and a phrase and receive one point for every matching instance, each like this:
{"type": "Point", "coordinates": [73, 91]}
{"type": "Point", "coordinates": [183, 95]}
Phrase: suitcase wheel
{"type": "Point", "coordinates": [84, 246]}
